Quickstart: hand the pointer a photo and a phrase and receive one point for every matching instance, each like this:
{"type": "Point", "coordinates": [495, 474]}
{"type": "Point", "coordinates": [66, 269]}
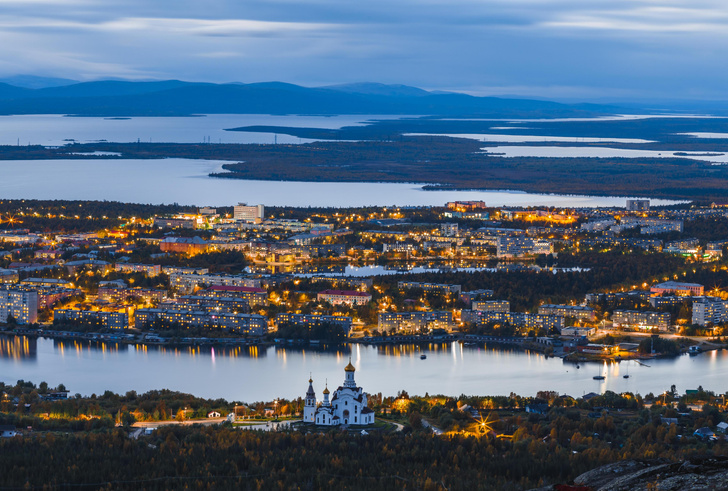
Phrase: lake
{"type": "Point", "coordinates": [600, 152]}
{"type": "Point", "coordinates": [262, 374]}
{"type": "Point", "coordinates": [55, 130]}
{"type": "Point", "coordinates": [186, 181]}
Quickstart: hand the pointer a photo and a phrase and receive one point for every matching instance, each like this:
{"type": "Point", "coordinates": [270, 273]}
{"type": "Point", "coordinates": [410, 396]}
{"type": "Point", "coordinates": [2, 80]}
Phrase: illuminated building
{"type": "Point", "coordinates": [641, 319]}
{"type": "Point", "coordinates": [337, 297]}
{"type": "Point", "coordinates": [310, 320]}
{"type": "Point", "coordinates": [348, 404]}
{"type": "Point", "coordinates": [20, 303]}
{"type": "Point", "coordinates": [114, 320]}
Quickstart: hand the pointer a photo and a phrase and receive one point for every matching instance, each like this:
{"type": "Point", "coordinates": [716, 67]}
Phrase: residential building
{"type": "Point", "coordinates": [440, 288]}
{"type": "Point", "coordinates": [709, 310]}
{"type": "Point", "coordinates": [209, 304]}
{"type": "Point", "coordinates": [46, 283]}
{"type": "Point", "coordinates": [254, 296]}
{"type": "Point", "coordinates": [469, 297]}
{"type": "Point", "coordinates": [113, 320]}
{"type": "Point", "coordinates": [337, 297]}
{"type": "Point", "coordinates": [677, 288]}
{"type": "Point", "coordinates": [248, 324]}
{"type": "Point", "coordinates": [183, 245]}
{"type": "Point", "coordinates": [492, 305]}
{"type": "Point", "coordinates": [148, 269]}
{"type": "Point", "coordinates": [122, 294]}
{"type": "Point", "coordinates": [576, 311]}
{"type": "Point", "coordinates": [309, 320]}
{"type": "Point", "coordinates": [20, 303]}
{"type": "Point", "coordinates": [638, 205]}
{"type": "Point", "coordinates": [243, 212]}
{"type": "Point", "coordinates": [187, 283]}
{"type": "Point", "coordinates": [414, 321]}
{"type": "Point", "coordinates": [520, 319]}
{"type": "Point", "coordinates": [641, 319]}
{"type": "Point", "coordinates": [8, 276]}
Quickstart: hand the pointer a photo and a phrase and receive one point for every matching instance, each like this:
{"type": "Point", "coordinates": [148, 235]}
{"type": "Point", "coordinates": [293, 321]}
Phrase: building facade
{"type": "Point", "coordinates": [20, 303]}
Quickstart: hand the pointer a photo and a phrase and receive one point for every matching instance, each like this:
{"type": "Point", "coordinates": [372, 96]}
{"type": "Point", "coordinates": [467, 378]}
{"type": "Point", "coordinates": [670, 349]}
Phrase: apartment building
{"type": "Point", "coordinates": [20, 303]}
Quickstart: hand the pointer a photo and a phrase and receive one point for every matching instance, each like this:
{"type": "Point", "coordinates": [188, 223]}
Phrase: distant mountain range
{"type": "Point", "coordinates": [36, 95]}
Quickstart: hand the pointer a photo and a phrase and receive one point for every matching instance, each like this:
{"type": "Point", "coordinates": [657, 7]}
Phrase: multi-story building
{"type": "Point", "coordinates": [440, 288]}
{"type": "Point", "coordinates": [254, 296]}
{"type": "Point", "coordinates": [20, 303]}
{"type": "Point", "coordinates": [576, 311]}
{"type": "Point", "coordinates": [245, 213]}
{"type": "Point", "coordinates": [113, 320]}
{"type": "Point", "coordinates": [638, 205]}
{"type": "Point", "coordinates": [492, 305]}
{"type": "Point", "coordinates": [469, 297]}
{"type": "Point", "coordinates": [413, 321]}
{"type": "Point", "coordinates": [170, 270]}
{"type": "Point", "coordinates": [309, 320]}
{"type": "Point", "coordinates": [184, 245]}
{"type": "Point", "coordinates": [520, 319]}
{"type": "Point", "coordinates": [448, 229]}
{"type": "Point", "coordinates": [659, 302]}
{"type": "Point", "coordinates": [147, 269]}
{"type": "Point", "coordinates": [8, 276]}
{"type": "Point", "coordinates": [248, 324]}
{"type": "Point", "coordinates": [345, 281]}
{"type": "Point", "coordinates": [187, 283]}
{"type": "Point", "coordinates": [677, 288]}
{"type": "Point", "coordinates": [121, 294]}
{"type": "Point", "coordinates": [46, 283]}
{"type": "Point", "coordinates": [641, 319]}
{"type": "Point", "coordinates": [175, 222]}
{"type": "Point", "coordinates": [709, 310]}
{"type": "Point", "coordinates": [337, 297]}
{"type": "Point", "coordinates": [209, 304]}
{"type": "Point", "coordinates": [516, 246]}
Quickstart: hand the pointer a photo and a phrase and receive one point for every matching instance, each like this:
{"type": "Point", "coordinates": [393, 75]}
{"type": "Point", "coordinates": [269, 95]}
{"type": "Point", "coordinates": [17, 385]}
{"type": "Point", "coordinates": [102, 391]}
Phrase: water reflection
{"type": "Point", "coordinates": [18, 348]}
{"type": "Point", "coordinates": [254, 373]}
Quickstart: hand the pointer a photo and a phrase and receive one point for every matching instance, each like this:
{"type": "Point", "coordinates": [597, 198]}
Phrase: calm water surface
{"type": "Point", "coordinates": [186, 181]}
{"type": "Point", "coordinates": [55, 130]}
{"type": "Point", "coordinates": [253, 374]}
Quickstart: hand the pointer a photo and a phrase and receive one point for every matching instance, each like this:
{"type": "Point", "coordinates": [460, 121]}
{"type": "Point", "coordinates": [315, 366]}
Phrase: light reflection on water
{"type": "Point", "coordinates": [253, 373]}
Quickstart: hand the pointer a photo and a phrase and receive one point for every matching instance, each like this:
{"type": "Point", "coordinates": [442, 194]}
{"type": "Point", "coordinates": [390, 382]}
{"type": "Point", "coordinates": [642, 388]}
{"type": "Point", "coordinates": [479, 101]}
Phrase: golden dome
{"type": "Point", "coordinates": [349, 367]}
{"type": "Point", "coordinates": [326, 391]}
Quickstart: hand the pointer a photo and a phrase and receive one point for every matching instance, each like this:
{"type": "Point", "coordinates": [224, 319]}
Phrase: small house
{"type": "Point", "coordinates": [704, 433]}
{"type": "Point", "coordinates": [723, 427]}
{"type": "Point", "coordinates": [213, 414]}
{"type": "Point", "coordinates": [8, 431]}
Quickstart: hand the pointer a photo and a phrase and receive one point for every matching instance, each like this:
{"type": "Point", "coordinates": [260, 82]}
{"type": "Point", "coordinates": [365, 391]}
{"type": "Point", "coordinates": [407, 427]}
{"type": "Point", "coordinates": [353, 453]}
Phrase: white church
{"type": "Point", "coordinates": [348, 405]}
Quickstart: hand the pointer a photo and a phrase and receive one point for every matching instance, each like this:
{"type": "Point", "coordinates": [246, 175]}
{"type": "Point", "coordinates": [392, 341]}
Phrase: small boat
{"type": "Point", "coordinates": [577, 366]}
{"type": "Point", "coordinates": [423, 357]}
{"type": "Point", "coordinates": [598, 377]}
{"type": "Point", "coordinates": [625, 376]}
{"type": "Point", "coordinates": [694, 350]}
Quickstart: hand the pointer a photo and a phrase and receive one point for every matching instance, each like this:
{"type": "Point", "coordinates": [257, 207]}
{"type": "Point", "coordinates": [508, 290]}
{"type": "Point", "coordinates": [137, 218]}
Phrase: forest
{"type": "Point", "coordinates": [501, 448]}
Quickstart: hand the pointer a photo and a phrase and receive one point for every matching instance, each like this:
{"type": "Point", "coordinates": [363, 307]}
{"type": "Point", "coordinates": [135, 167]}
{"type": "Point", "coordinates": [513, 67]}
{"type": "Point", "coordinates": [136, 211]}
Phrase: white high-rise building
{"type": "Point", "coordinates": [21, 304]}
{"type": "Point", "coordinates": [253, 213]}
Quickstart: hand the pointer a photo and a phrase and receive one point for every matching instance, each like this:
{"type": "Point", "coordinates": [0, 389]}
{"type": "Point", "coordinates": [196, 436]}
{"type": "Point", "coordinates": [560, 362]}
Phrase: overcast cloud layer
{"type": "Point", "coordinates": [581, 49]}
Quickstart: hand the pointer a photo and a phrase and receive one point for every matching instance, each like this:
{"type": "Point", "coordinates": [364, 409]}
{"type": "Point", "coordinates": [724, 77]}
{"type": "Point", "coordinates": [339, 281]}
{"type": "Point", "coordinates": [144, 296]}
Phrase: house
{"type": "Point", "coordinates": [8, 431]}
{"type": "Point", "coordinates": [704, 433]}
{"type": "Point", "coordinates": [723, 427]}
{"type": "Point", "coordinates": [213, 414]}
{"type": "Point", "coordinates": [537, 408]}
{"type": "Point", "coordinates": [668, 421]}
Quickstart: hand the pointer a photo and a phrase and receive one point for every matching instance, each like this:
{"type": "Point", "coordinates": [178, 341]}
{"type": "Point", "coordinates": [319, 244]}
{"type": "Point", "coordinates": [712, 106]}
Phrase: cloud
{"type": "Point", "coordinates": [567, 47]}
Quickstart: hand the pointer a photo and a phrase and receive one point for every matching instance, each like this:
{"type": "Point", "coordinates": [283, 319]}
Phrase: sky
{"type": "Point", "coordinates": [557, 49]}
